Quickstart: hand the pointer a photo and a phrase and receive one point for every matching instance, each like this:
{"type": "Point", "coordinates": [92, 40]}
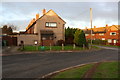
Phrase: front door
{"type": "Point", "coordinates": [47, 39]}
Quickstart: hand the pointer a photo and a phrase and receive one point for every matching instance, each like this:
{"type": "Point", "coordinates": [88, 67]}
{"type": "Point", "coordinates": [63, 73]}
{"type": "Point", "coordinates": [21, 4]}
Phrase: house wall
{"type": "Point", "coordinates": [107, 35]}
{"type": "Point", "coordinates": [10, 41]}
{"type": "Point", "coordinates": [50, 17]}
{"type": "Point", "coordinates": [27, 38]}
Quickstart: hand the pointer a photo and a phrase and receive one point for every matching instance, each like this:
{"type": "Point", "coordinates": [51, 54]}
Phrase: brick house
{"type": "Point", "coordinates": [44, 30]}
{"type": "Point", "coordinates": [109, 33]}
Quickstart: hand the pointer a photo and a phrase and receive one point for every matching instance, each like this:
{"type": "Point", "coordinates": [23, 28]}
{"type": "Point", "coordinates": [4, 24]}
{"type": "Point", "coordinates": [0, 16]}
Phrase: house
{"type": "Point", "coordinates": [44, 30]}
{"type": "Point", "coordinates": [6, 38]}
{"type": "Point", "coordinates": [108, 33]}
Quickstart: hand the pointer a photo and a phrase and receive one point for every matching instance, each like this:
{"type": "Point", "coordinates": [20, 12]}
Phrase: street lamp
{"type": "Point", "coordinates": [91, 24]}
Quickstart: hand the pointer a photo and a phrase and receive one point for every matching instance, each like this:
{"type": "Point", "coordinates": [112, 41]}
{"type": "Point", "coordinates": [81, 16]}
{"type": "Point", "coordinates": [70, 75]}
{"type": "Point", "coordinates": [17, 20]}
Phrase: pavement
{"type": "Point", "coordinates": [104, 47]}
{"type": "Point", "coordinates": [37, 65]}
{"type": "Point", "coordinates": [13, 50]}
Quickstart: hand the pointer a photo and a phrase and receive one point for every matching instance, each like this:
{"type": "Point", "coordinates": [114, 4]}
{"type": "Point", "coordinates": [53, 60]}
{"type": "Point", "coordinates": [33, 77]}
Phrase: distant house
{"type": "Point", "coordinates": [109, 33]}
{"type": "Point", "coordinates": [44, 30]}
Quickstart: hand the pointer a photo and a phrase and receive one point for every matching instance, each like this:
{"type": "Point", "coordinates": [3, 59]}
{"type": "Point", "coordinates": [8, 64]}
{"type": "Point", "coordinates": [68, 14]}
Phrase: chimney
{"type": "Point", "coordinates": [37, 16]}
{"type": "Point", "coordinates": [33, 20]}
{"type": "Point", "coordinates": [43, 11]}
{"type": "Point", "coordinates": [94, 26]}
{"type": "Point", "coordinates": [106, 26]}
{"type": "Point", "coordinates": [85, 28]}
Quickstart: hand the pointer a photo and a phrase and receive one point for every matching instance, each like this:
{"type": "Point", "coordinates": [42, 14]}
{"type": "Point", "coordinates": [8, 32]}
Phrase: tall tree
{"type": "Point", "coordinates": [69, 35]}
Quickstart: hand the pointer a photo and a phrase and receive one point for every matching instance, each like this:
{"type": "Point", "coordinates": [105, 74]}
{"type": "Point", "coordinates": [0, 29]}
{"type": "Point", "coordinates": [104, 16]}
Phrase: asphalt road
{"type": "Point", "coordinates": [39, 64]}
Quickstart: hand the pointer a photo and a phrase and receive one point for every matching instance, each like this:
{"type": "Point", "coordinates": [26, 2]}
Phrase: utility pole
{"type": "Point", "coordinates": [91, 25]}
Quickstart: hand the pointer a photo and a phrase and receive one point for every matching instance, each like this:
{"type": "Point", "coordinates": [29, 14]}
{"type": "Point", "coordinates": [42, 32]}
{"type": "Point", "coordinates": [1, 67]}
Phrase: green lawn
{"type": "Point", "coordinates": [53, 48]}
{"type": "Point", "coordinates": [104, 70]}
{"type": "Point", "coordinates": [74, 73]}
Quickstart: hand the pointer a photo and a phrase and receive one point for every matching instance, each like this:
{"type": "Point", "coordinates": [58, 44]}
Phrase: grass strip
{"type": "Point", "coordinates": [74, 73]}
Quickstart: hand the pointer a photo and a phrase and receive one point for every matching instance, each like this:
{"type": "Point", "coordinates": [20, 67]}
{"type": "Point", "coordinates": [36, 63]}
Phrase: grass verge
{"type": "Point", "coordinates": [104, 70]}
{"type": "Point", "coordinates": [107, 70]}
{"type": "Point", "coordinates": [74, 73]}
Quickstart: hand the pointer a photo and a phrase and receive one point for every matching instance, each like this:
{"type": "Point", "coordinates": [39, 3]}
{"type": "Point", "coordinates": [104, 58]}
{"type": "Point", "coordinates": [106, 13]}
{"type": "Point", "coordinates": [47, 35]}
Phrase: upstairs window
{"type": "Point", "coordinates": [51, 24]}
{"type": "Point", "coordinates": [113, 33]}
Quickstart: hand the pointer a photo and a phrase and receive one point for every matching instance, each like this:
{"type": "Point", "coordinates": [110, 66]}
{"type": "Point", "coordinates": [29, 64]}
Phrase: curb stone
{"type": "Point", "coordinates": [46, 52]}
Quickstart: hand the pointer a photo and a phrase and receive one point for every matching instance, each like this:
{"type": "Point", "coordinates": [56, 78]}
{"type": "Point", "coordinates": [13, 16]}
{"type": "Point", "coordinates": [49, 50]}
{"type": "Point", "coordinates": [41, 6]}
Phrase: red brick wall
{"type": "Point", "coordinates": [106, 36]}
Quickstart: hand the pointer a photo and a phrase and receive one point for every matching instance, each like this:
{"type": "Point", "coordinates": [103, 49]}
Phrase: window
{"type": "Point", "coordinates": [113, 33]}
{"type": "Point", "coordinates": [114, 41]}
{"type": "Point", "coordinates": [51, 24]}
{"type": "Point", "coordinates": [101, 34]}
{"type": "Point", "coordinates": [109, 40]}
{"type": "Point", "coordinates": [47, 37]}
{"type": "Point", "coordinates": [86, 34]}
{"type": "Point", "coordinates": [93, 34]}
{"type": "Point", "coordinates": [103, 38]}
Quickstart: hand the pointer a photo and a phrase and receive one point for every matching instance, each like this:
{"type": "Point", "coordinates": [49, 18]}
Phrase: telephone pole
{"type": "Point", "coordinates": [91, 25]}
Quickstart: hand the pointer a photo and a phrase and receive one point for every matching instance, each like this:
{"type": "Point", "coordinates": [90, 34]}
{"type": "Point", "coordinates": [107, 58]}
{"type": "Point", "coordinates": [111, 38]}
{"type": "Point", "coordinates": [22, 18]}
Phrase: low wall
{"type": "Point", "coordinates": [28, 39]}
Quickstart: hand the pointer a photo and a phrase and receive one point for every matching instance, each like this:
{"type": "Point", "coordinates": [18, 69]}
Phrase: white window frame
{"type": "Point", "coordinates": [109, 40]}
{"type": "Point", "coordinates": [103, 38]}
{"type": "Point", "coordinates": [114, 41]}
{"type": "Point", "coordinates": [51, 24]}
{"type": "Point", "coordinates": [112, 32]}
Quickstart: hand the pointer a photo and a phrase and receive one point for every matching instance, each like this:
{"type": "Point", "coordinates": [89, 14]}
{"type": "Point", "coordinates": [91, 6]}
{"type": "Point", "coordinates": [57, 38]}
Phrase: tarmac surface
{"type": "Point", "coordinates": [36, 65]}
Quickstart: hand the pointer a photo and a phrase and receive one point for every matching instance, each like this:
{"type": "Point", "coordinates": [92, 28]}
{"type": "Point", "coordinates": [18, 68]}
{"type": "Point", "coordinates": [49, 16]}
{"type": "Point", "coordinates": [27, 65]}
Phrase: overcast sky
{"type": "Point", "coordinates": [76, 14]}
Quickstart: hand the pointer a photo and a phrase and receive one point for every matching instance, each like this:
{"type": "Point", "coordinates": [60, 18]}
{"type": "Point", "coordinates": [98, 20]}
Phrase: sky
{"type": "Point", "coordinates": [75, 14]}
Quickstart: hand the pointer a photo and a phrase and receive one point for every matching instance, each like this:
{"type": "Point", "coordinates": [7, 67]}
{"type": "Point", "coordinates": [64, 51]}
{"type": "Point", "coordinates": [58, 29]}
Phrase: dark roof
{"type": "Point", "coordinates": [46, 32]}
{"type": "Point", "coordinates": [88, 31]}
{"type": "Point", "coordinates": [95, 30]}
{"type": "Point", "coordinates": [100, 31]}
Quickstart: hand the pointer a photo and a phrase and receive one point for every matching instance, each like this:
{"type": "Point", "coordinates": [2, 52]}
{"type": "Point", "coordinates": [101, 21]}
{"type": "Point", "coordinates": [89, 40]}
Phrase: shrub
{"type": "Point", "coordinates": [60, 42]}
{"type": "Point", "coordinates": [98, 41]}
{"type": "Point", "coordinates": [79, 38]}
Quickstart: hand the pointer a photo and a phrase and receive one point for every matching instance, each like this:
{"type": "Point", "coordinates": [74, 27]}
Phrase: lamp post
{"type": "Point", "coordinates": [36, 42]}
{"type": "Point", "coordinates": [91, 25]}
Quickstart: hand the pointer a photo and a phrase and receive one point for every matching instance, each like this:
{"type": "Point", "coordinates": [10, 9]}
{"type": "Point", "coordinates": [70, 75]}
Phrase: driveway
{"type": "Point", "coordinates": [38, 64]}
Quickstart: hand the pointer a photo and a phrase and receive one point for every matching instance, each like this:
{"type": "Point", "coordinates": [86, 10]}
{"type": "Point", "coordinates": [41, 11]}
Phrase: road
{"type": "Point", "coordinates": [38, 64]}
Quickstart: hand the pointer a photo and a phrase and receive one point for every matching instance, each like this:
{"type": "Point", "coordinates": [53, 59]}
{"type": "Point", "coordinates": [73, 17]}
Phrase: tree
{"type": "Point", "coordinates": [69, 35]}
{"type": "Point", "coordinates": [76, 36]}
{"type": "Point", "coordinates": [7, 30]}
{"type": "Point", "coordinates": [79, 38]}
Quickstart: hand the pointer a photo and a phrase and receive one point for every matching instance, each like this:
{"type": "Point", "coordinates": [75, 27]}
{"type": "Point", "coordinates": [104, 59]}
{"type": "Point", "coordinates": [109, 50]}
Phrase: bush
{"type": "Point", "coordinates": [79, 38]}
{"type": "Point", "coordinates": [98, 41]}
{"type": "Point", "coordinates": [60, 42]}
